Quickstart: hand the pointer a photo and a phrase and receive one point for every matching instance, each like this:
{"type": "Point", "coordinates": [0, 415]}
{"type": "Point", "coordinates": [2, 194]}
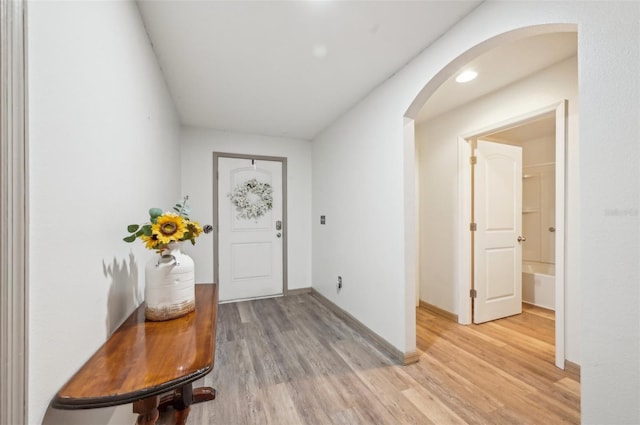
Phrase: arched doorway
{"type": "Point", "coordinates": [460, 241]}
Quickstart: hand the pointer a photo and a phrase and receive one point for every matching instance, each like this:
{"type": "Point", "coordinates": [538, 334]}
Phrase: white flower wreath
{"type": "Point", "coordinates": [252, 199]}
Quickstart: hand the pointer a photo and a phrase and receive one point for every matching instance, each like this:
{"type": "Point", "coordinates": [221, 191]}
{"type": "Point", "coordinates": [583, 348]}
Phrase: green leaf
{"type": "Point", "coordinates": [130, 238]}
{"type": "Point", "coordinates": [138, 233]}
{"type": "Point", "coordinates": [146, 230]}
{"type": "Point", "coordinates": [132, 228]}
{"type": "Point", "coordinates": [155, 212]}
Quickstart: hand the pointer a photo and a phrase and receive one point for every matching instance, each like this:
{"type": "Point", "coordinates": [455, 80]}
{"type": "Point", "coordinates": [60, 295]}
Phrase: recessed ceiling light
{"type": "Point", "coordinates": [466, 76]}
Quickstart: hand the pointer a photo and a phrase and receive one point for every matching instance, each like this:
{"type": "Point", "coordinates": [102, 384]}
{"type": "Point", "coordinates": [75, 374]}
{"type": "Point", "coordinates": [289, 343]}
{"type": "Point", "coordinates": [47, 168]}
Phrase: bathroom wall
{"type": "Point", "coordinates": [538, 200]}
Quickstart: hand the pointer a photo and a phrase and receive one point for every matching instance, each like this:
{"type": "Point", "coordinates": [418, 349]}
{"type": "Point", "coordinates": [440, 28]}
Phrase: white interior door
{"type": "Point", "coordinates": [250, 250]}
{"type": "Point", "coordinates": [498, 216]}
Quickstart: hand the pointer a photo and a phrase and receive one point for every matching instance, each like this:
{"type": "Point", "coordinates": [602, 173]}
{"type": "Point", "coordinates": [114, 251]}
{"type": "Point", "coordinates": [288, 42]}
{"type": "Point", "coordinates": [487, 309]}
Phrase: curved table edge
{"type": "Point", "coordinates": [126, 398]}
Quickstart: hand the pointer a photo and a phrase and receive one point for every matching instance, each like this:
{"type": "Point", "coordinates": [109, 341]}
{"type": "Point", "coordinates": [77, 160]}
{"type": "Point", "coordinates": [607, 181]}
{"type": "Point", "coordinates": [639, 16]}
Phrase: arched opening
{"type": "Point", "coordinates": [452, 232]}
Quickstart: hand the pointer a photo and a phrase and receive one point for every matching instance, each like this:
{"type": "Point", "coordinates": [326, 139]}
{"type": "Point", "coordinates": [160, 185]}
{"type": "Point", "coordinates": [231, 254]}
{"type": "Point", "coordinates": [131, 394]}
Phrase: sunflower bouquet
{"type": "Point", "coordinates": [164, 228]}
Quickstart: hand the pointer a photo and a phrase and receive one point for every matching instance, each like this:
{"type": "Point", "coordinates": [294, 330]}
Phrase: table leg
{"type": "Point", "coordinates": [185, 396]}
{"type": "Point", "coordinates": [181, 400]}
{"type": "Point", "coordinates": [147, 410]}
{"type": "Point", "coordinates": [174, 416]}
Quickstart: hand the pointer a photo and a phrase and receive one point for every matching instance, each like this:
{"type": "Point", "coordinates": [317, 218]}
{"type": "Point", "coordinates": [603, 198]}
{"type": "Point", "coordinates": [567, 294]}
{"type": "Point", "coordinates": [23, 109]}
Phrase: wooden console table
{"type": "Point", "coordinates": [143, 360]}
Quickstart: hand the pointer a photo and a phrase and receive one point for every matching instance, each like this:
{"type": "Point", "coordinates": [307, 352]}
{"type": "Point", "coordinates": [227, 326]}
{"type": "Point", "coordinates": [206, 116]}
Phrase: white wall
{"type": "Point", "coordinates": [197, 149]}
{"type": "Point", "coordinates": [102, 149]}
{"type": "Point", "coordinates": [437, 146]}
{"type": "Point", "coordinates": [541, 150]}
{"type": "Point", "coordinates": [538, 197]}
{"type": "Point", "coordinates": [103, 137]}
{"type": "Point", "coordinates": [358, 182]}
{"type": "Point", "coordinates": [358, 185]}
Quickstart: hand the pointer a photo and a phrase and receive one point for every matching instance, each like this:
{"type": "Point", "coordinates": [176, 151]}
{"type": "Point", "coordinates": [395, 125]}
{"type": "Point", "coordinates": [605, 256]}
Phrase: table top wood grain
{"type": "Point", "coordinates": [143, 358]}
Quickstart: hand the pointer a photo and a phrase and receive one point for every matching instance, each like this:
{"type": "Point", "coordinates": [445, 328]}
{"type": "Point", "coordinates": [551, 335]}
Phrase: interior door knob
{"type": "Point", "coordinates": [278, 234]}
{"type": "Point", "coordinates": [521, 239]}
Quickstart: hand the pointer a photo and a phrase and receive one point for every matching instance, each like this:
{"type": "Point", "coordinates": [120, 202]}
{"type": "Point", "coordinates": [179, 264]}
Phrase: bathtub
{"type": "Point", "coordinates": [538, 284]}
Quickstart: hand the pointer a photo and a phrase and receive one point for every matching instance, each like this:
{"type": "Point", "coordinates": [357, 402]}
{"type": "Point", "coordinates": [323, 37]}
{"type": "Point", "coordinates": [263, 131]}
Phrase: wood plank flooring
{"type": "Point", "coordinates": [290, 361]}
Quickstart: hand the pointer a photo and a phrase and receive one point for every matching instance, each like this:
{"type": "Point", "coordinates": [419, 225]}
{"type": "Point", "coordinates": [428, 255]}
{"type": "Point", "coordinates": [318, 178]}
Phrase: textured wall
{"type": "Point", "coordinates": [367, 200]}
{"type": "Point", "coordinates": [104, 148]}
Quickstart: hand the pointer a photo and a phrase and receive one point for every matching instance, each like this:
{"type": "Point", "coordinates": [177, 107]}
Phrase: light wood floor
{"type": "Point", "coordinates": [291, 361]}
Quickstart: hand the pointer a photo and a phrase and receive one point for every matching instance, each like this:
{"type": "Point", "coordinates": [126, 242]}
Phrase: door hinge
{"type": "Point", "coordinates": [474, 160]}
{"type": "Point", "coordinates": [473, 293]}
{"type": "Point", "coordinates": [473, 227]}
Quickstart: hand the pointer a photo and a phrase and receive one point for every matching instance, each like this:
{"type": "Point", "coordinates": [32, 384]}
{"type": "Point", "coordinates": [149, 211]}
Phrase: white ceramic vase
{"type": "Point", "coordinates": [169, 284]}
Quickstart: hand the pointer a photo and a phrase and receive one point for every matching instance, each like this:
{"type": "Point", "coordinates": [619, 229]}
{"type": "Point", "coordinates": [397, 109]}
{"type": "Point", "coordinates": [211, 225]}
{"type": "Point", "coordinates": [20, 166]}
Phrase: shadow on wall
{"type": "Point", "coordinates": [124, 292]}
{"type": "Point", "coordinates": [124, 296]}
{"type": "Point", "coordinates": [103, 416]}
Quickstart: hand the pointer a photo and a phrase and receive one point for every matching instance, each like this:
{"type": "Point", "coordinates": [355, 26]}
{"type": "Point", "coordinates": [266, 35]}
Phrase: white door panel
{"type": "Point", "coordinates": [499, 273]}
{"type": "Point", "coordinates": [498, 214]}
{"type": "Point", "coordinates": [250, 251]}
{"type": "Point", "coordinates": [251, 260]}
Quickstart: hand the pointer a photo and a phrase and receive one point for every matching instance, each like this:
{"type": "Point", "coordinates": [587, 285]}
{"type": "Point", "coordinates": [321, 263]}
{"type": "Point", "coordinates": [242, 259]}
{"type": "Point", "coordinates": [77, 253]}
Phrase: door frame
{"type": "Point", "coordinates": [465, 270]}
{"type": "Point", "coordinates": [216, 224]}
{"type": "Point", "coordinates": [14, 214]}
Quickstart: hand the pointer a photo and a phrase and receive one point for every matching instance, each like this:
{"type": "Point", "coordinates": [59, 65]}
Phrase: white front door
{"type": "Point", "coordinates": [498, 217]}
{"type": "Point", "coordinates": [250, 249]}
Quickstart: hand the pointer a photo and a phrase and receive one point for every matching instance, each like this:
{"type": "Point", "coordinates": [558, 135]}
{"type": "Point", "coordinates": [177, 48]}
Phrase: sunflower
{"type": "Point", "coordinates": [164, 228]}
{"type": "Point", "coordinates": [169, 227]}
{"type": "Point", "coordinates": [150, 242]}
{"type": "Point", "coordinates": [194, 228]}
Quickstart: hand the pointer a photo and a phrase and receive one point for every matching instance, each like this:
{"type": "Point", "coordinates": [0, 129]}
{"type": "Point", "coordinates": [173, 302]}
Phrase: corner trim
{"type": "Point", "coordinates": [382, 344]}
{"type": "Point", "coordinates": [411, 358]}
{"type": "Point", "coordinates": [572, 368]}
{"type": "Point", "coordinates": [14, 211]}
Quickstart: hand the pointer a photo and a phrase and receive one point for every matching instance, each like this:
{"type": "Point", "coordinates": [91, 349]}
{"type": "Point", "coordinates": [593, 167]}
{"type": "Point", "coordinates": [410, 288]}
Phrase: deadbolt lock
{"type": "Point", "coordinates": [278, 225]}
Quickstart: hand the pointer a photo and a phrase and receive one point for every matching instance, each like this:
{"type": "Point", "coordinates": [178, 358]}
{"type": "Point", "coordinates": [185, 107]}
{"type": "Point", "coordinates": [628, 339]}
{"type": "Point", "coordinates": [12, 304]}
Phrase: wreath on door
{"type": "Point", "coordinates": [252, 199]}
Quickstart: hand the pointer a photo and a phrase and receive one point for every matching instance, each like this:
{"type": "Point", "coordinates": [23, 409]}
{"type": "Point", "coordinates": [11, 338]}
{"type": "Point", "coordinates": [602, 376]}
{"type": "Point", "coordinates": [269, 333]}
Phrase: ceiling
{"type": "Point", "coordinates": [286, 68]}
{"type": "Point", "coordinates": [500, 67]}
{"type": "Point", "coordinates": [290, 68]}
